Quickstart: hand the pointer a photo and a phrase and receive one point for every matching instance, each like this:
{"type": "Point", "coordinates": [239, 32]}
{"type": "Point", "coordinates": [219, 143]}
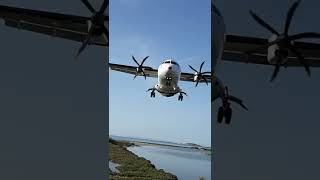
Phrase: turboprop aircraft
{"type": "Point", "coordinates": [88, 30]}
{"type": "Point", "coordinates": [169, 74]}
{"type": "Point", "coordinates": [280, 50]}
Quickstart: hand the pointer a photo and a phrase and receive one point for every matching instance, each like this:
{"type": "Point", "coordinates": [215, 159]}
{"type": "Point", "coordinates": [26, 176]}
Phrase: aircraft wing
{"type": "Point", "coordinates": [235, 49]}
{"type": "Point", "coordinates": [54, 24]}
{"type": "Point", "coordinates": [150, 72]}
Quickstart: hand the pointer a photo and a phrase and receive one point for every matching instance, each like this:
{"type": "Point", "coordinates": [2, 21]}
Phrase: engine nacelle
{"type": "Point", "coordinates": [277, 55]}
{"type": "Point", "coordinates": [196, 77]}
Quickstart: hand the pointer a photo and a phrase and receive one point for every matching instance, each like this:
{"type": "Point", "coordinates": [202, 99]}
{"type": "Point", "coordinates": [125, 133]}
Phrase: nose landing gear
{"type": "Point", "coordinates": [225, 110]}
{"type": "Point", "coordinates": [180, 97]}
{"type": "Point", "coordinates": [153, 93]}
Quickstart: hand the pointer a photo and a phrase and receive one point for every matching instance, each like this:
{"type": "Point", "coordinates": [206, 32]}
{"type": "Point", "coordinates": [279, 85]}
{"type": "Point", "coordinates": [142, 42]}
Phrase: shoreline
{"type": "Point", "coordinates": [140, 143]}
{"type": "Point", "coordinates": [132, 166]}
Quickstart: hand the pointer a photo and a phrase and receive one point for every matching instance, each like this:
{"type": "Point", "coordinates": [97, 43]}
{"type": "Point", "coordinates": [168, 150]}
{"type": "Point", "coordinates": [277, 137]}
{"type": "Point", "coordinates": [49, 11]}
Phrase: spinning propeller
{"type": "Point", "coordinates": [200, 75]}
{"type": "Point", "coordinates": [97, 22]}
{"type": "Point", "coordinates": [284, 40]}
{"type": "Point", "coordinates": [140, 67]}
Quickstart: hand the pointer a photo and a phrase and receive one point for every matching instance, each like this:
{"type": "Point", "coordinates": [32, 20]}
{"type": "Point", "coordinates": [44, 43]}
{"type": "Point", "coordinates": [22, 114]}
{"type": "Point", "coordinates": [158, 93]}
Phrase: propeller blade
{"type": "Point", "coordinates": [144, 60]}
{"type": "Point", "coordinates": [238, 101]}
{"type": "Point", "coordinates": [304, 35]}
{"type": "Point", "coordinates": [106, 32]}
{"type": "Point", "coordinates": [104, 6]}
{"type": "Point", "coordinates": [201, 66]}
{"type": "Point", "coordinates": [205, 80]}
{"type": "Point", "coordinates": [275, 73]}
{"type": "Point", "coordinates": [135, 61]}
{"type": "Point", "coordinates": [290, 15]}
{"type": "Point", "coordinates": [144, 74]}
{"type": "Point", "coordinates": [88, 5]}
{"type": "Point", "coordinates": [301, 59]}
{"type": "Point", "coordinates": [85, 43]}
{"type": "Point", "coordinates": [263, 23]}
{"type": "Point", "coordinates": [197, 83]}
{"type": "Point", "coordinates": [192, 68]}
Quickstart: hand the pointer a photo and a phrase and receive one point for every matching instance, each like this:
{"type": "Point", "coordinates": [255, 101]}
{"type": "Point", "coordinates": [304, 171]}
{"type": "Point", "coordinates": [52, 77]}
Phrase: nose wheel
{"type": "Point", "coordinates": [225, 113]}
{"type": "Point", "coordinates": [153, 94]}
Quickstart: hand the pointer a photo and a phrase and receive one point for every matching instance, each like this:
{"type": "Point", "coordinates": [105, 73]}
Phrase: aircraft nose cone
{"type": "Point", "coordinates": [170, 68]}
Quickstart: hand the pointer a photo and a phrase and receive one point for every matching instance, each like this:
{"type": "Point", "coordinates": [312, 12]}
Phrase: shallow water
{"type": "Point", "coordinates": [182, 162]}
{"type": "Point", "coordinates": [113, 167]}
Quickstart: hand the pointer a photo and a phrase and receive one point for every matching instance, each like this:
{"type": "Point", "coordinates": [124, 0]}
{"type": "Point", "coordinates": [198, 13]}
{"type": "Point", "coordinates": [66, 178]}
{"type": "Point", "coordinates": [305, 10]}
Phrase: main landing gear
{"type": "Point", "coordinates": [225, 110]}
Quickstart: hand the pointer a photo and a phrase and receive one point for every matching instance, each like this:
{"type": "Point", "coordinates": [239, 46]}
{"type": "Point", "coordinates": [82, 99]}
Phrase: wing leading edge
{"type": "Point", "coordinates": [150, 72]}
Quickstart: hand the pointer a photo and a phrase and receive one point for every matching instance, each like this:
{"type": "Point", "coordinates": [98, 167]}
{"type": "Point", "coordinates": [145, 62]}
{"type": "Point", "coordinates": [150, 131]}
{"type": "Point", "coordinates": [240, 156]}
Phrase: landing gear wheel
{"type": "Point", "coordinates": [180, 98]}
{"type": "Point", "coordinates": [228, 115]}
{"type": "Point", "coordinates": [153, 94]}
{"type": "Point", "coordinates": [220, 115]}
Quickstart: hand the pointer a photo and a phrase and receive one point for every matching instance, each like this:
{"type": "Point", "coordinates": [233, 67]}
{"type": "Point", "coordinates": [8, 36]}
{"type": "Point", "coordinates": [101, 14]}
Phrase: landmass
{"type": "Point", "coordinates": [132, 167]}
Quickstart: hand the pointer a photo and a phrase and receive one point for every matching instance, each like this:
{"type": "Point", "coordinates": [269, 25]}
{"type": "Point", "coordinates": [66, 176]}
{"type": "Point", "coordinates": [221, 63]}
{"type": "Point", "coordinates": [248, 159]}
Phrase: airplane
{"type": "Point", "coordinates": [169, 74]}
{"type": "Point", "coordinates": [88, 30]}
{"type": "Point", "coordinates": [280, 50]}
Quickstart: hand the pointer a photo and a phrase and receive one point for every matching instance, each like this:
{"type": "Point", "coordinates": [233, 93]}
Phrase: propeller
{"type": "Point", "coordinates": [97, 22]}
{"type": "Point", "coordinates": [200, 75]}
{"type": "Point", "coordinates": [140, 67]}
{"type": "Point", "coordinates": [284, 40]}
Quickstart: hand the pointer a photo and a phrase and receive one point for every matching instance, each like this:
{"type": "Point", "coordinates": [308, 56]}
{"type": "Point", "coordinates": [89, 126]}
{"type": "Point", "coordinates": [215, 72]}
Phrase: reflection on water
{"type": "Point", "coordinates": [182, 162]}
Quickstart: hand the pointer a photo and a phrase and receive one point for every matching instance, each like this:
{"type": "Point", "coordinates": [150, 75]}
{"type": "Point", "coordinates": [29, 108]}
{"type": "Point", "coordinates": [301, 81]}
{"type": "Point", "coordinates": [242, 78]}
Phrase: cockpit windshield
{"type": "Point", "coordinates": [169, 62]}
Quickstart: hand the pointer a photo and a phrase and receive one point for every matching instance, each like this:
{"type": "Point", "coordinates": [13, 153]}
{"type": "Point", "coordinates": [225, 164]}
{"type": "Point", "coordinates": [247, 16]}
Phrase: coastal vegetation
{"type": "Point", "coordinates": [131, 166]}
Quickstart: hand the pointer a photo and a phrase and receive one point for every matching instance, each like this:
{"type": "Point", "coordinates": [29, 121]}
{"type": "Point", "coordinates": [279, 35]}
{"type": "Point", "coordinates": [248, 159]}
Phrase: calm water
{"type": "Point", "coordinates": [113, 167]}
{"type": "Point", "coordinates": [187, 164]}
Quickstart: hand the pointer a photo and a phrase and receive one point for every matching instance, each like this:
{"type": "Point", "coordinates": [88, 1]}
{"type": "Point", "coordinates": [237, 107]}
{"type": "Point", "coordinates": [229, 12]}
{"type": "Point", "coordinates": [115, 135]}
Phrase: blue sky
{"type": "Point", "coordinates": [161, 30]}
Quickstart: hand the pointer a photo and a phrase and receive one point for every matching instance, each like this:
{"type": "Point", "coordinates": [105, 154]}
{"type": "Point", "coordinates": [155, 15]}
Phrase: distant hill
{"type": "Point", "coordinates": [151, 141]}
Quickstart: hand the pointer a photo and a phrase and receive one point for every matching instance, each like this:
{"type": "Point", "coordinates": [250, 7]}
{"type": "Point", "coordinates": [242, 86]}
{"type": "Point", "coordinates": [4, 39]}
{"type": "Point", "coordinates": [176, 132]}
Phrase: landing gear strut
{"type": "Point", "coordinates": [180, 97]}
{"type": "Point", "coordinates": [225, 110]}
{"type": "Point", "coordinates": [153, 93]}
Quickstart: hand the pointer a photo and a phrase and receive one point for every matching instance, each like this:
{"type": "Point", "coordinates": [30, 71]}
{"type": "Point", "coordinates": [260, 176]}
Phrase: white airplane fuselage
{"type": "Point", "coordinates": [218, 33]}
{"type": "Point", "coordinates": [169, 73]}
